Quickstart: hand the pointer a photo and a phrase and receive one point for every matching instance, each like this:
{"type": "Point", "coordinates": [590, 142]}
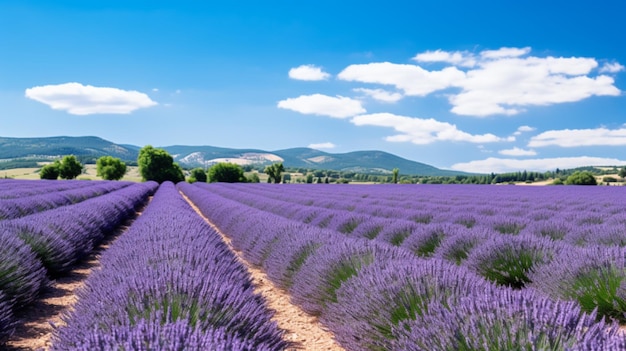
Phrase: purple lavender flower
{"type": "Point", "coordinates": [330, 266]}
{"type": "Point", "coordinates": [387, 294]}
{"type": "Point", "coordinates": [22, 276]}
{"type": "Point", "coordinates": [507, 320]}
{"type": "Point", "coordinates": [593, 276]}
{"type": "Point", "coordinates": [7, 321]}
{"type": "Point", "coordinates": [508, 260]}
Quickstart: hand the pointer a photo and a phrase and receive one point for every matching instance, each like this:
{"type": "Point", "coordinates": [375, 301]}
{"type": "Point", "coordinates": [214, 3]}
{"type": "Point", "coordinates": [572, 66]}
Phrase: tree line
{"type": "Point", "coordinates": [158, 165]}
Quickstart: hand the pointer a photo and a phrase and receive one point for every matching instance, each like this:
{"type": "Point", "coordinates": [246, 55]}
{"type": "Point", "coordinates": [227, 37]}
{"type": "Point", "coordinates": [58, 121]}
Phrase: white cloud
{"type": "Point", "coordinates": [78, 99]}
{"type": "Point", "coordinates": [322, 146]}
{"type": "Point", "coordinates": [507, 85]}
{"type": "Point", "coordinates": [505, 52]}
{"type": "Point", "coordinates": [412, 79]}
{"type": "Point", "coordinates": [504, 81]}
{"type": "Point", "coordinates": [308, 72]}
{"type": "Point", "coordinates": [523, 129]}
{"type": "Point", "coordinates": [318, 104]}
{"type": "Point", "coordinates": [380, 94]}
{"type": "Point", "coordinates": [517, 152]}
{"type": "Point", "coordinates": [421, 131]}
{"type": "Point", "coordinates": [611, 68]}
{"type": "Point", "coordinates": [503, 165]}
{"type": "Point", "coordinates": [580, 137]}
{"type": "Point", "coordinates": [458, 58]}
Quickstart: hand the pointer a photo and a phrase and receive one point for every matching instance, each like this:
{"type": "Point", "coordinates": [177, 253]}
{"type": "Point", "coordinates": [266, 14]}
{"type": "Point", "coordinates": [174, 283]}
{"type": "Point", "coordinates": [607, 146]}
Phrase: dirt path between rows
{"type": "Point", "coordinates": [301, 328]}
{"type": "Point", "coordinates": [40, 318]}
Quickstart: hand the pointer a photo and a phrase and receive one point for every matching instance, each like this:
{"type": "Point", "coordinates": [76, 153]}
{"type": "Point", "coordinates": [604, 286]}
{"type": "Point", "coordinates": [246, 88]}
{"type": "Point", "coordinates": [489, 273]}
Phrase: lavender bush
{"type": "Point", "coordinates": [595, 277]}
{"type": "Point", "coordinates": [509, 260]}
{"type": "Point", "coordinates": [176, 336]}
{"type": "Point", "coordinates": [7, 320]}
{"type": "Point", "coordinates": [330, 266]}
{"type": "Point", "coordinates": [457, 247]}
{"type": "Point", "coordinates": [507, 320]}
{"type": "Point", "coordinates": [22, 276]}
{"type": "Point", "coordinates": [372, 306]}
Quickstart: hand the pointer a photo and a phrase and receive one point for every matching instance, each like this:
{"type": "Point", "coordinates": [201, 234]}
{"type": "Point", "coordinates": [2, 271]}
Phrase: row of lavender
{"type": "Point", "coordinates": [577, 215]}
{"type": "Point", "coordinates": [591, 271]}
{"type": "Point", "coordinates": [374, 296]}
{"type": "Point", "coordinates": [38, 247]}
{"type": "Point", "coordinates": [18, 199]}
{"type": "Point", "coordinates": [170, 283]}
{"type": "Point", "coordinates": [14, 188]}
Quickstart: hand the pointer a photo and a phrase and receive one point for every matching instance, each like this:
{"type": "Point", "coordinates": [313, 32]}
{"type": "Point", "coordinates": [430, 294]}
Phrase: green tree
{"type": "Point", "coordinates": [158, 165]}
{"type": "Point", "coordinates": [50, 171]}
{"type": "Point", "coordinates": [110, 168]}
{"type": "Point", "coordinates": [197, 175]}
{"type": "Point", "coordinates": [253, 178]}
{"type": "Point", "coordinates": [309, 178]}
{"type": "Point", "coordinates": [226, 173]}
{"type": "Point", "coordinates": [395, 171]}
{"type": "Point", "coordinates": [581, 178]}
{"type": "Point", "coordinates": [274, 172]}
{"type": "Point", "coordinates": [70, 168]}
{"type": "Point", "coordinates": [622, 173]}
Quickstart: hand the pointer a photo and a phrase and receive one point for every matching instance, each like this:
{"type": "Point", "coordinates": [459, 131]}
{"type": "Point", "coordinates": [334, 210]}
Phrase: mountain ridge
{"type": "Point", "coordinates": [367, 161]}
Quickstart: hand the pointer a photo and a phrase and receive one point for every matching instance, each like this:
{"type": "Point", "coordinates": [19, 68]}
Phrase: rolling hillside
{"type": "Point", "coordinates": [203, 156]}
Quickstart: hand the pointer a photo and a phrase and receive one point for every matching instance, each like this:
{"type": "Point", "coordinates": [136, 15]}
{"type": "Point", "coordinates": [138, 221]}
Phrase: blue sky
{"type": "Point", "coordinates": [476, 86]}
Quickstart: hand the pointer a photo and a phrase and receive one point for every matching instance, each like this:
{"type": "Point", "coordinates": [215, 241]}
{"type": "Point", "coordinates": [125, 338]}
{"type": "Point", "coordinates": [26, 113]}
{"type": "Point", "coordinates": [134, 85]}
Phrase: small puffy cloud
{"type": "Point", "coordinates": [411, 79]}
{"type": "Point", "coordinates": [322, 146]}
{"type": "Point", "coordinates": [324, 105]}
{"type": "Point", "coordinates": [523, 129]}
{"type": "Point", "coordinates": [580, 137]}
{"type": "Point", "coordinates": [78, 99]}
{"type": "Point", "coordinates": [503, 165]}
{"type": "Point", "coordinates": [308, 72]}
{"type": "Point", "coordinates": [504, 52]}
{"type": "Point", "coordinates": [421, 131]}
{"type": "Point", "coordinates": [516, 151]}
{"type": "Point", "coordinates": [611, 68]}
{"type": "Point", "coordinates": [380, 94]}
{"type": "Point", "coordinates": [458, 58]}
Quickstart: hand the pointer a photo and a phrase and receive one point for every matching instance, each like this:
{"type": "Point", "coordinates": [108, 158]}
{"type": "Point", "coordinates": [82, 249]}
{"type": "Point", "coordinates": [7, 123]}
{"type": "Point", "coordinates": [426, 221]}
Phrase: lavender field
{"type": "Point", "coordinates": [383, 267]}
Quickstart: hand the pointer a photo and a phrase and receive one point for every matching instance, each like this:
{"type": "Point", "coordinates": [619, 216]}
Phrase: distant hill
{"type": "Point", "coordinates": [24, 148]}
{"type": "Point", "coordinates": [204, 156]}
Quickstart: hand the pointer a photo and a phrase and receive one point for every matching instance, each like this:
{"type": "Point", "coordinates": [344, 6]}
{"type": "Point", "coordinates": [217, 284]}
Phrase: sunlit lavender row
{"type": "Point", "coordinates": [15, 188]}
{"type": "Point", "coordinates": [388, 295]}
{"type": "Point", "coordinates": [22, 198]}
{"type": "Point", "coordinates": [169, 283]}
{"type": "Point", "coordinates": [517, 241]}
{"type": "Point", "coordinates": [43, 245]}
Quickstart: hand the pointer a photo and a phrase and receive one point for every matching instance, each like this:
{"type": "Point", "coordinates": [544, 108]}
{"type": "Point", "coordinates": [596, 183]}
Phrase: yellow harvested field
{"type": "Point", "coordinates": [89, 173]}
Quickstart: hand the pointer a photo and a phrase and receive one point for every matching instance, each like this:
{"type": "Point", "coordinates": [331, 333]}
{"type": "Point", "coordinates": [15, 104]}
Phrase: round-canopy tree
{"type": "Point", "coordinates": [70, 168]}
{"type": "Point", "coordinates": [158, 165]}
{"type": "Point", "coordinates": [110, 168]}
{"type": "Point", "coordinates": [581, 178]}
{"type": "Point", "coordinates": [226, 173]}
{"type": "Point", "coordinates": [197, 175]}
{"type": "Point", "coordinates": [50, 171]}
